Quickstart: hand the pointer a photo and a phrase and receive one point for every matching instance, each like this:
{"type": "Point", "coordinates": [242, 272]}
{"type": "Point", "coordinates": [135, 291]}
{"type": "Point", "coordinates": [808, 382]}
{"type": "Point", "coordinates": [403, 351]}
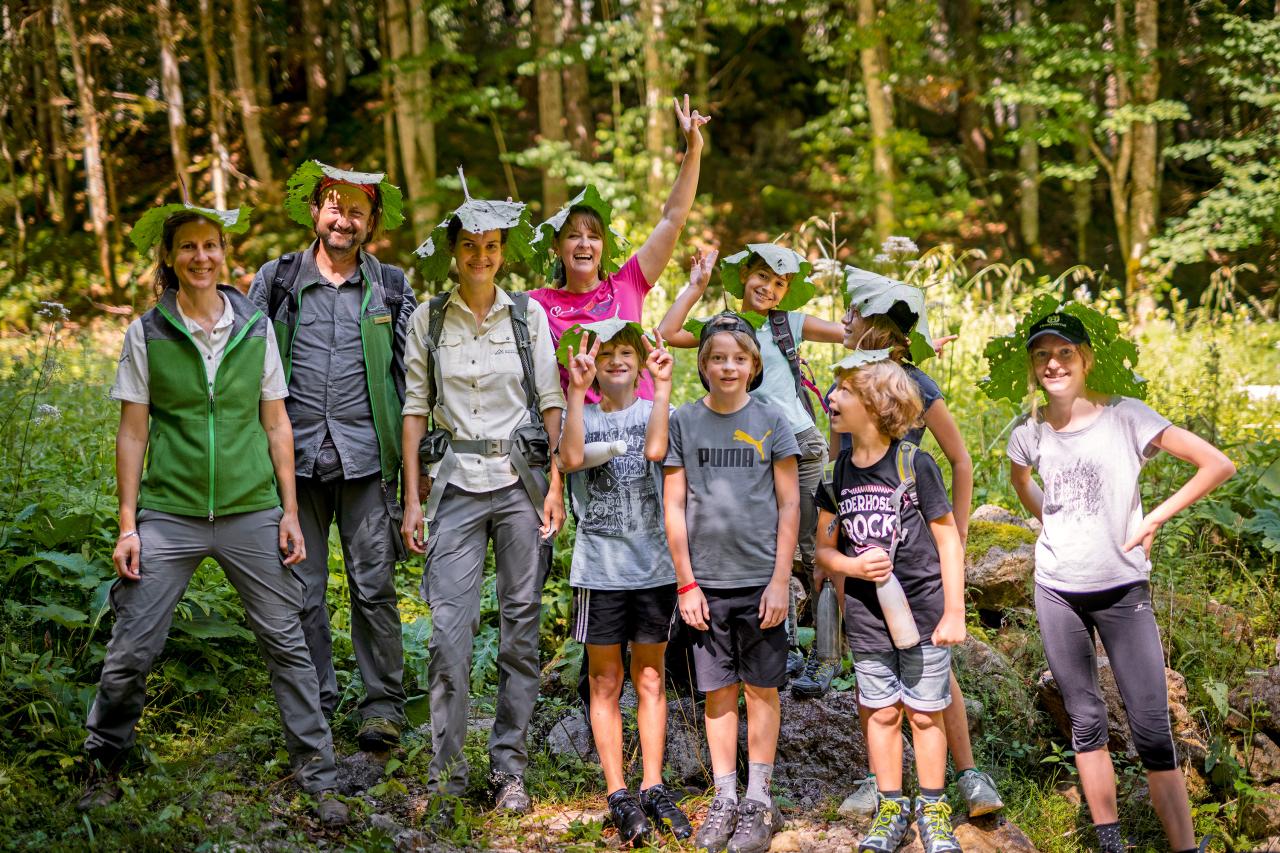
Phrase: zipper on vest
{"type": "Point", "coordinates": [213, 451]}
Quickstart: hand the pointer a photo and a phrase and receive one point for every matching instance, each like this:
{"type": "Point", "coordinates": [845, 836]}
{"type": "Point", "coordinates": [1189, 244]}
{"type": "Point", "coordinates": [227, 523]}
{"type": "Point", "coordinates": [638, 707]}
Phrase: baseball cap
{"type": "Point", "coordinates": [726, 321]}
{"type": "Point", "coordinates": [1061, 324]}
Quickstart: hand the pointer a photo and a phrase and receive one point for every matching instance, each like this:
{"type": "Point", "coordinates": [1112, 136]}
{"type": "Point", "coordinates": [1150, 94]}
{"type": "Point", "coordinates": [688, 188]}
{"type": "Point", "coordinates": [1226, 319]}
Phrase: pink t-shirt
{"type": "Point", "coordinates": [618, 295]}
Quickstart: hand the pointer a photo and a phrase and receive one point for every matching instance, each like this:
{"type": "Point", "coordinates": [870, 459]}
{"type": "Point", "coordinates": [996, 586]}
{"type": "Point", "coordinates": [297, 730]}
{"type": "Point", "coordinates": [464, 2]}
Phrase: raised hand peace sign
{"type": "Point", "coordinates": [691, 123]}
{"type": "Point", "coordinates": [582, 365]}
{"type": "Point", "coordinates": [700, 269]}
{"type": "Point", "coordinates": [659, 361]}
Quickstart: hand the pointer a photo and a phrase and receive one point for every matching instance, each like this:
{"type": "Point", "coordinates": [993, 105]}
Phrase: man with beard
{"type": "Point", "coordinates": [340, 317]}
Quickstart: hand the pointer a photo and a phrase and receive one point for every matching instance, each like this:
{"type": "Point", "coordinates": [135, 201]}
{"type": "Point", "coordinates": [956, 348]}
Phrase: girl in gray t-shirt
{"type": "Point", "coordinates": [1093, 560]}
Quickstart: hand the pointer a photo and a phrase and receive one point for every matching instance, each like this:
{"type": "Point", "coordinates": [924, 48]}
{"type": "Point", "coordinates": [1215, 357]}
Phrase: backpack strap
{"type": "Point", "coordinates": [524, 347]}
{"type": "Point", "coordinates": [282, 284]}
{"type": "Point", "coordinates": [394, 286]}
{"type": "Point", "coordinates": [435, 328]}
{"type": "Point", "coordinates": [780, 326]}
{"type": "Point", "coordinates": [904, 461]}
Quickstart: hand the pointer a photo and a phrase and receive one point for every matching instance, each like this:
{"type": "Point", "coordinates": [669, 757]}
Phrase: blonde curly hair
{"type": "Point", "coordinates": [890, 396]}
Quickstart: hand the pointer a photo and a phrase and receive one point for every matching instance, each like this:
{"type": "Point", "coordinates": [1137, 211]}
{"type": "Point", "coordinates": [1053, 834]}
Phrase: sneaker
{"type": "Point", "coordinates": [378, 734]}
{"type": "Point", "coordinates": [628, 817]}
{"type": "Point", "coordinates": [979, 792]}
{"type": "Point", "coordinates": [509, 793]}
{"type": "Point", "coordinates": [933, 822]}
{"type": "Point", "coordinates": [889, 827]}
{"type": "Point", "coordinates": [716, 830]}
{"type": "Point", "coordinates": [757, 824]}
{"type": "Point", "coordinates": [815, 681]}
{"type": "Point", "coordinates": [795, 663]}
{"type": "Point", "coordinates": [101, 790]}
{"type": "Point", "coordinates": [663, 811]}
{"type": "Point", "coordinates": [331, 810]}
{"type": "Point", "coordinates": [864, 801]}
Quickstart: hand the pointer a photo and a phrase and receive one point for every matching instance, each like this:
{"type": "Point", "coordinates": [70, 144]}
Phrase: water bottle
{"type": "Point", "coordinates": [897, 613]}
{"type": "Point", "coordinates": [826, 623]}
{"type": "Point", "coordinates": [596, 453]}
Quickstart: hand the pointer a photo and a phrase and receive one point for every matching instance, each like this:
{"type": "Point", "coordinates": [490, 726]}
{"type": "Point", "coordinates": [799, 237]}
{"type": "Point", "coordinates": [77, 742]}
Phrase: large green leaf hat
{"type": "Point", "coordinates": [782, 261]}
{"type": "Point", "coordinates": [1114, 357]}
{"type": "Point", "coordinates": [694, 325]}
{"type": "Point", "coordinates": [150, 228]}
{"type": "Point", "coordinates": [542, 260]}
{"type": "Point", "coordinates": [477, 216]}
{"type": "Point", "coordinates": [303, 182]}
{"type": "Point", "coordinates": [871, 294]}
{"type": "Point", "coordinates": [860, 358]}
{"type": "Point", "coordinates": [605, 330]}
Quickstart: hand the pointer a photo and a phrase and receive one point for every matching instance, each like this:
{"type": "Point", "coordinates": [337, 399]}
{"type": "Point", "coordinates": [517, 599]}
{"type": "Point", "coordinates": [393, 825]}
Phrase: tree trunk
{"type": "Point", "coordinates": [171, 86]}
{"type": "Point", "coordinates": [64, 203]}
{"type": "Point", "coordinates": [880, 109]}
{"type": "Point", "coordinates": [426, 131]}
{"type": "Point", "coordinates": [1143, 200]}
{"type": "Point", "coordinates": [314, 62]}
{"type": "Point", "coordinates": [702, 75]}
{"type": "Point", "coordinates": [577, 89]}
{"type": "Point", "coordinates": [1082, 203]}
{"type": "Point", "coordinates": [338, 44]}
{"type": "Point", "coordinates": [964, 36]}
{"type": "Point", "coordinates": [1028, 152]}
{"type": "Point", "coordinates": [96, 186]}
{"type": "Point", "coordinates": [407, 115]}
{"type": "Point", "coordinates": [247, 97]}
{"type": "Point", "coordinates": [550, 99]}
{"type": "Point", "coordinates": [388, 104]}
{"type": "Point", "coordinates": [659, 123]}
{"type": "Point", "coordinates": [19, 262]}
{"type": "Point", "coordinates": [217, 107]}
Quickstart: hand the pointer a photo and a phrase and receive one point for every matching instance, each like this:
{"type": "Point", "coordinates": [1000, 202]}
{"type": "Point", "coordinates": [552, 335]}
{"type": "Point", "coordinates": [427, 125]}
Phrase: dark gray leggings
{"type": "Point", "coordinates": [1122, 617]}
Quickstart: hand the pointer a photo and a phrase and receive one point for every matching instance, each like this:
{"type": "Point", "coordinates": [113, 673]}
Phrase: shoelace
{"type": "Point", "coordinates": [661, 801]}
{"type": "Point", "coordinates": [937, 820]}
{"type": "Point", "coordinates": [889, 810]}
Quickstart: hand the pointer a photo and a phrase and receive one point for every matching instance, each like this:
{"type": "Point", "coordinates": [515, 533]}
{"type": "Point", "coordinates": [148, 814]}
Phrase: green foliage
{"type": "Point", "coordinates": [602, 330]}
{"type": "Point", "coordinates": [871, 294]}
{"type": "Point", "coordinates": [150, 228]}
{"type": "Point", "coordinates": [302, 186]}
{"type": "Point", "coordinates": [783, 261]}
{"type": "Point", "coordinates": [540, 259]}
{"type": "Point", "coordinates": [477, 216]}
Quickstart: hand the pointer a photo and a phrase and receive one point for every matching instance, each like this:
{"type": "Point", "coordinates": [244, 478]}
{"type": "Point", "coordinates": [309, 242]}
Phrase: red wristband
{"type": "Point", "coordinates": [682, 590]}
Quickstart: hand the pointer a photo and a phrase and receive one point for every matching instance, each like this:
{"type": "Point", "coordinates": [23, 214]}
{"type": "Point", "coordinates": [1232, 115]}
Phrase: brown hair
{"type": "Point", "coordinates": [746, 342]}
{"type": "Point", "coordinates": [577, 215]}
{"type": "Point", "coordinates": [375, 210]}
{"type": "Point", "coordinates": [890, 396]}
{"type": "Point", "coordinates": [164, 277]}
{"type": "Point", "coordinates": [455, 228]}
{"type": "Point", "coordinates": [628, 337]}
{"type": "Point", "coordinates": [880, 332]}
{"type": "Point", "coordinates": [1033, 382]}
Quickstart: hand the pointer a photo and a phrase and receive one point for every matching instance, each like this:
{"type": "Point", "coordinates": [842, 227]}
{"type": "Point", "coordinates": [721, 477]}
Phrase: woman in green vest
{"type": "Point", "coordinates": [201, 393]}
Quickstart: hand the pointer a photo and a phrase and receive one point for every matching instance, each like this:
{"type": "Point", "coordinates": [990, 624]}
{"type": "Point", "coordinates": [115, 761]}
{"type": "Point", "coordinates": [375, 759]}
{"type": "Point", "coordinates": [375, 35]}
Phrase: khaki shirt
{"type": "Point", "coordinates": [482, 395]}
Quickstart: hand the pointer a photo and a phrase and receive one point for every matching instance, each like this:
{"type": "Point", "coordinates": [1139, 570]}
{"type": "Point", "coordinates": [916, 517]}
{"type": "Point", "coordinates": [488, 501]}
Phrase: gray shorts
{"type": "Point", "coordinates": [919, 678]}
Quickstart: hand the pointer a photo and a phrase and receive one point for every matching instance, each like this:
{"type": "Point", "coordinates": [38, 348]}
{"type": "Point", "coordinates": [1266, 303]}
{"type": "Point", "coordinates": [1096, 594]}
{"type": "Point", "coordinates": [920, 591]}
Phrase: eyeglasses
{"type": "Point", "coordinates": [1063, 355]}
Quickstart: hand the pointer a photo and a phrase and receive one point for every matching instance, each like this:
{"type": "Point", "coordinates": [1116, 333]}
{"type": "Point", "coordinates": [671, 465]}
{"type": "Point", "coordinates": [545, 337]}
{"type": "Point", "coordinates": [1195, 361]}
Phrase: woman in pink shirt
{"type": "Point", "coordinates": [589, 285]}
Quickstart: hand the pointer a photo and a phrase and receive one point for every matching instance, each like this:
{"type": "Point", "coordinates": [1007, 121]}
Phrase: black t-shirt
{"type": "Point", "coordinates": [930, 393]}
{"type": "Point", "coordinates": [866, 516]}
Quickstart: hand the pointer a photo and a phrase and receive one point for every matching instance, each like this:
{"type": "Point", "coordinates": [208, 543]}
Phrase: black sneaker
{"type": "Point", "coordinates": [815, 681]}
{"type": "Point", "coordinates": [663, 811]}
{"type": "Point", "coordinates": [716, 830]}
{"type": "Point", "coordinates": [628, 817]}
{"type": "Point", "coordinates": [509, 793]}
{"type": "Point", "coordinates": [757, 824]}
{"type": "Point", "coordinates": [795, 663]}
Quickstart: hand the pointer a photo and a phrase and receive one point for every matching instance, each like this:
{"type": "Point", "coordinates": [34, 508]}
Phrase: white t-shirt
{"type": "Point", "coordinates": [1092, 500]}
{"type": "Point", "coordinates": [133, 373]}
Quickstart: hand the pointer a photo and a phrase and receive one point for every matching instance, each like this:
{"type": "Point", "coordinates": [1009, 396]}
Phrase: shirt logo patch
{"type": "Point", "coordinates": [739, 435]}
{"type": "Point", "coordinates": [382, 318]}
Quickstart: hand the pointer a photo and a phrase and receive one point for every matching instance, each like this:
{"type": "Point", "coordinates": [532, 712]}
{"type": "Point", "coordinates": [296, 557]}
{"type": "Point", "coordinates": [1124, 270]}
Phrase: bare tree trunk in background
{"type": "Point", "coordinates": [171, 86]}
{"type": "Point", "coordinates": [1082, 201]}
{"type": "Point", "coordinates": [1028, 152]}
{"type": "Point", "coordinates": [217, 107]}
{"type": "Point", "coordinates": [315, 64]}
{"type": "Point", "coordinates": [702, 74]}
{"type": "Point", "coordinates": [407, 116]}
{"type": "Point", "coordinates": [577, 88]}
{"type": "Point", "coordinates": [1143, 199]}
{"type": "Point", "coordinates": [419, 30]}
{"type": "Point", "coordinates": [19, 261]}
{"type": "Point", "coordinates": [247, 97]}
{"type": "Point", "coordinates": [659, 123]}
{"type": "Point", "coordinates": [388, 103]}
{"type": "Point", "coordinates": [550, 99]}
{"type": "Point", "coordinates": [964, 36]}
{"type": "Point", "coordinates": [880, 109]}
{"type": "Point", "coordinates": [52, 85]}
{"type": "Point", "coordinates": [338, 44]}
{"type": "Point", "coordinates": [96, 186]}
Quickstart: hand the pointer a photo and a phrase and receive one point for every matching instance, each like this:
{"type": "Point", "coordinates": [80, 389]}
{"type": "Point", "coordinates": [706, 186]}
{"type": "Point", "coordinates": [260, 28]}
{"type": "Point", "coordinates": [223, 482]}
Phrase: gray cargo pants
{"type": "Point", "coordinates": [245, 545]}
{"type": "Point", "coordinates": [456, 543]}
{"type": "Point", "coordinates": [365, 528]}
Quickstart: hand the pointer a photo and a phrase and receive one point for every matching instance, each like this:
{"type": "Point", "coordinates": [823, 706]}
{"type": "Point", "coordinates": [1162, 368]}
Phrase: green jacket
{"type": "Point", "coordinates": [207, 451]}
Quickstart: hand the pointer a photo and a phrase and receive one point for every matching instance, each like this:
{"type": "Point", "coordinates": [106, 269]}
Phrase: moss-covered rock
{"type": "Point", "coordinates": [999, 560]}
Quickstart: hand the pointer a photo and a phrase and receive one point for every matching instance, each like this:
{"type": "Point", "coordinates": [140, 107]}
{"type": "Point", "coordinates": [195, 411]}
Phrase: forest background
{"type": "Point", "coordinates": [1126, 152]}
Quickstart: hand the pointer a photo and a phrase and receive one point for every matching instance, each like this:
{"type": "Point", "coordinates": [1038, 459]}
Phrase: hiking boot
{"type": "Point", "coordinates": [757, 824]}
{"type": "Point", "coordinates": [933, 822]}
{"type": "Point", "coordinates": [815, 681]}
{"type": "Point", "coordinates": [378, 734]}
{"type": "Point", "coordinates": [795, 663]}
{"type": "Point", "coordinates": [864, 801]}
{"type": "Point", "coordinates": [101, 790]}
{"type": "Point", "coordinates": [716, 830]}
{"type": "Point", "coordinates": [509, 793]}
{"type": "Point", "coordinates": [662, 810]}
{"type": "Point", "coordinates": [331, 810]}
{"type": "Point", "coordinates": [889, 827]}
{"type": "Point", "coordinates": [979, 792]}
{"type": "Point", "coordinates": [628, 817]}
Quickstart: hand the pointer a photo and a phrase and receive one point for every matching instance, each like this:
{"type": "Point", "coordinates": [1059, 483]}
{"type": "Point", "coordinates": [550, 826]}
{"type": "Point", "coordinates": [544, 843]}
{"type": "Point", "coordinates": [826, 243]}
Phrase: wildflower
{"type": "Point", "coordinates": [53, 310]}
{"type": "Point", "coordinates": [882, 260]}
{"type": "Point", "coordinates": [45, 411]}
{"type": "Point", "coordinates": [899, 246]}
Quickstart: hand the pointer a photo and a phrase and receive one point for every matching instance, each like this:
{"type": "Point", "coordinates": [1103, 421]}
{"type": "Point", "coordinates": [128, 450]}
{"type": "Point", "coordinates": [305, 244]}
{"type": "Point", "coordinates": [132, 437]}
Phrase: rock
{"type": "Point", "coordinates": [404, 839]}
{"type": "Point", "coordinates": [358, 772]}
{"type": "Point", "coordinates": [1261, 815]}
{"type": "Point", "coordinates": [571, 735]}
{"type": "Point", "coordinates": [1267, 845]}
{"type": "Point", "coordinates": [1260, 758]}
{"type": "Point", "coordinates": [1258, 698]}
{"type": "Point", "coordinates": [1069, 792]}
{"type": "Point", "coordinates": [999, 560]}
{"type": "Point", "coordinates": [688, 758]}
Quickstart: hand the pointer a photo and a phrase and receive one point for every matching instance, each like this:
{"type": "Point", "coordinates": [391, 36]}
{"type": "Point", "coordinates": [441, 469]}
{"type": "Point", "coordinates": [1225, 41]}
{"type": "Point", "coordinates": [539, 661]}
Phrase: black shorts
{"type": "Point", "coordinates": [736, 648]}
{"type": "Point", "coordinates": [607, 617]}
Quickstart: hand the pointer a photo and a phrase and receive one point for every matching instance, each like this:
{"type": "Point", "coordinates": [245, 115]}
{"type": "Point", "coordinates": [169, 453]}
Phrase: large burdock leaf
{"type": "Point", "coordinates": [871, 294]}
{"type": "Point", "coordinates": [476, 216]}
{"type": "Point", "coordinates": [694, 325]}
{"type": "Point", "coordinates": [783, 261]}
{"type": "Point", "coordinates": [150, 228]}
{"type": "Point", "coordinates": [302, 185]}
{"type": "Point", "coordinates": [860, 358]}
{"type": "Point", "coordinates": [1115, 358]}
{"type": "Point", "coordinates": [542, 259]}
{"type": "Point", "coordinates": [602, 329]}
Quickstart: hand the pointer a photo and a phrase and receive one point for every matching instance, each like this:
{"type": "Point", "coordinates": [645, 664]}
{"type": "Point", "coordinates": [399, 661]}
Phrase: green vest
{"type": "Point", "coordinates": [207, 451]}
{"type": "Point", "coordinates": [377, 339]}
